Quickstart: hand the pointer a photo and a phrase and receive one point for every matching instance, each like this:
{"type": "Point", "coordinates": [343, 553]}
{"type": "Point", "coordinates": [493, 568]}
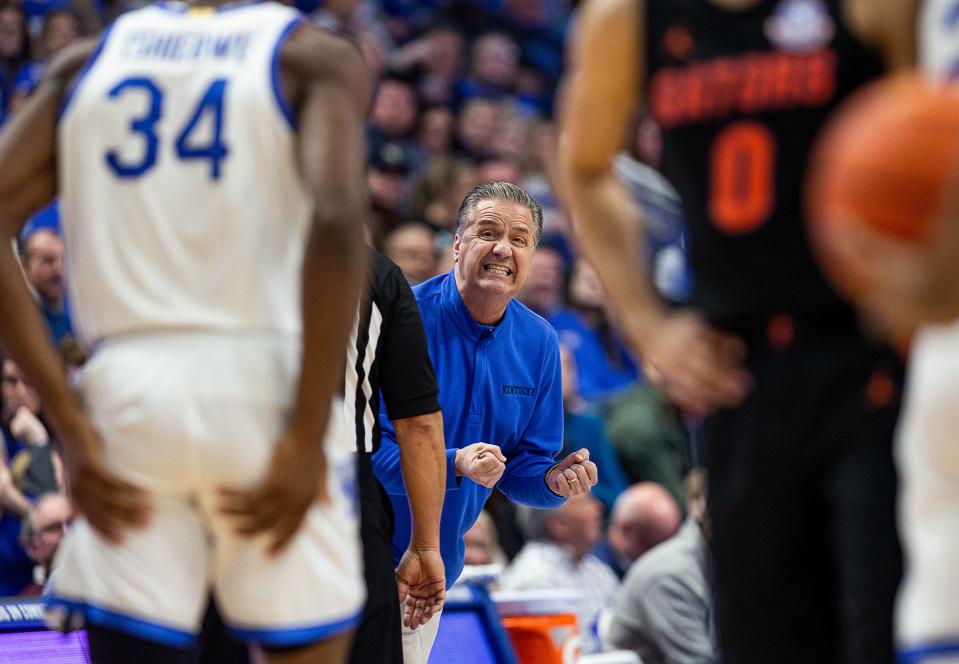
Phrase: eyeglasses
{"type": "Point", "coordinates": [55, 528]}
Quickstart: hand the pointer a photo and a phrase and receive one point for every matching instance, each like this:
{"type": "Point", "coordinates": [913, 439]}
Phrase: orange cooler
{"type": "Point", "coordinates": [541, 624]}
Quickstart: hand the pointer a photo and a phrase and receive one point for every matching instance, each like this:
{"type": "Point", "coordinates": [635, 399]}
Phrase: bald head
{"type": "Point", "coordinates": [643, 516]}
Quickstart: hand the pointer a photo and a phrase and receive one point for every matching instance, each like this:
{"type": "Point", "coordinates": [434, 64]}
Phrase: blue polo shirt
{"type": "Point", "coordinates": [498, 384]}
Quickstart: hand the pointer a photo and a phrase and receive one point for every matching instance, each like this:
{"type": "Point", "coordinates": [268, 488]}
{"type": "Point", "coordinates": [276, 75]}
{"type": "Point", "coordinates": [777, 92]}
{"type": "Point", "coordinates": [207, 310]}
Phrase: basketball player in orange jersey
{"type": "Point", "coordinates": [799, 408]}
{"type": "Point", "coordinates": [209, 163]}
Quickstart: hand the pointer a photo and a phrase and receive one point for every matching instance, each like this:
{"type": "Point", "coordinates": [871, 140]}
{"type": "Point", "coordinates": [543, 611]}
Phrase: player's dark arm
{"type": "Point", "coordinates": [331, 108]}
{"type": "Point", "coordinates": [325, 80]}
{"type": "Point", "coordinates": [27, 182]}
{"type": "Point", "coordinates": [598, 100]}
{"type": "Point", "coordinates": [697, 366]}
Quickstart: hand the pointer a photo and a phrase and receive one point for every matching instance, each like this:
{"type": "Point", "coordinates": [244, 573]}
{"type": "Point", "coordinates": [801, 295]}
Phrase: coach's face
{"type": "Point", "coordinates": [493, 256]}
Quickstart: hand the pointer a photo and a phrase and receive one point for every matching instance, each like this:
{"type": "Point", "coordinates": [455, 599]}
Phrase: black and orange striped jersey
{"type": "Point", "coordinates": [740, 97]}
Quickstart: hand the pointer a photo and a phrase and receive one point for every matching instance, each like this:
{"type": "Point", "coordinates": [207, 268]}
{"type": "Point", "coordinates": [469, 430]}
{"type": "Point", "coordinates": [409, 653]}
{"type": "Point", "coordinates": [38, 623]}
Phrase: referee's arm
{"type": "Point", "coordinates": [409, 390]}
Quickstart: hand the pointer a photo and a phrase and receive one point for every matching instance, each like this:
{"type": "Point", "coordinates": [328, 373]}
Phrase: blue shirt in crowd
{"type": "Point", "coordinates": [498, 384]}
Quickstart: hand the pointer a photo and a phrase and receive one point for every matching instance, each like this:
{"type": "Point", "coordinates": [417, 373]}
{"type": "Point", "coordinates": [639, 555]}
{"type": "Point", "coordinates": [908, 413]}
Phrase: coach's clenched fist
{"type": "Point", "coordinates": [481, 462]}
{"type": "Point", "coordinates": [573, 475]}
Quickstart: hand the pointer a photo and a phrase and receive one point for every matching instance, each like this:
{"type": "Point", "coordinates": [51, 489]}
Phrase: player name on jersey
{"type": "Point", "coordinates": [179, 46]}
{"type": "Point", "coordinates": [749, 83]}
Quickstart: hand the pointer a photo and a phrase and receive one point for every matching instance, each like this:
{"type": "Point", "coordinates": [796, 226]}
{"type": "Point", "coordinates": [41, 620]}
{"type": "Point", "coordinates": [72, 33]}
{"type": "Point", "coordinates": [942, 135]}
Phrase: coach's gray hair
{"type": "Point", "coordinates": [499, 191]}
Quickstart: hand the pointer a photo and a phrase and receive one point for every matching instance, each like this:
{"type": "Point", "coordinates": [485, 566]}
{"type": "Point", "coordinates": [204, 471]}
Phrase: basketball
{"type": "Point", "coordinates": [886, 159]}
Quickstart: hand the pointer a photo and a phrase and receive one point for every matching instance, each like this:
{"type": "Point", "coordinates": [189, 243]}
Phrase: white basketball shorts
{"type": "Point", "coordinates": [182, 415]}
{"type": "Point", "coordinates": [928, 457]}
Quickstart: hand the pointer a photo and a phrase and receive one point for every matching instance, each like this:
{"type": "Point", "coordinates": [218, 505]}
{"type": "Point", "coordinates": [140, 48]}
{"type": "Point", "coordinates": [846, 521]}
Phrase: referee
{"type": "Point", "coordinates": [388, 354]}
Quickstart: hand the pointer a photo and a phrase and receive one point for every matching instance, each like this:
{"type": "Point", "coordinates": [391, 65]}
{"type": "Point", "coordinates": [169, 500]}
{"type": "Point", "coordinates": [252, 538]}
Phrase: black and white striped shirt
{"type": "Point", "coordinates": [388, 354]}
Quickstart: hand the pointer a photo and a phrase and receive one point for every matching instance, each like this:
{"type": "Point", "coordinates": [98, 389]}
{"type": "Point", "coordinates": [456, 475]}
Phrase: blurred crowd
{"type": "Point", "coordinates": [465, 94]}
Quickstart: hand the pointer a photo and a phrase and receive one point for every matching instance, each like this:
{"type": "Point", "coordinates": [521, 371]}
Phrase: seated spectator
{"type": "Point", "coordinates": [649, 440]}
{"type": "Point", "coordinates": [14, 48]}
{"type": "Point", "coordinates": [664, 612]}
{"type": "Point", "coordinates": [438, 56]}
{"type": "Point", "coordinates": [16, 396]}
{"type": "Point", "coordinates": [412, 247]}
{"type": "Point", "coordinates": [437, 191]}
{"type": "Point", "coordinates": [386, 180]}
{"type": "Point", "coordinates": [493, 68]}
{"type": "Point", "coordinates": [558, 556]}
{"type": "Point", "coordinates": [36, 469]}
{"type": "Point", "coordinates": [42, 259]}
{"type": "Point", "coordinates": [393, 119]}
{"type": "Point", "coordinates": [584, 430]}
{"type": "Point", "coordinates": [435, 133]}
{"type": "Point", "coordinates": [475, 128]}
{"type": "Point", "coordinates": [543, 291]}
{"type": "Point", "coordinates": [643, 516]}
{"type": "Point", "coordinates": [500, 169]}
{"type": "Point", "coordinates": [61, 27]}
{"type": "Point", "coordinates": [40, 534]}
{"type": "Point", "coordinates": [482, 545]}
{"type": "Point", "coordinates": [606, 368]}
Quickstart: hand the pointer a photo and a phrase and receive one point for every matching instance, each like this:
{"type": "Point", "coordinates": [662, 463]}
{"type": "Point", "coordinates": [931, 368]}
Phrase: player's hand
{"type": "Point", "coordinates": [696, 366]}
{"type": "Point", "coordinates": [421, 580]}
{"type": "Point", "coordinates": [26, 427]}
{"type": "Point", "coordinates": [276, 506]}
{"type": "Point", "coordinates": [109, 503]}
{"type": "Point", "coordinates": [481, 462]}
{"type": "Point", "coordinates": [574, 475]}
{"type": "Point", "coordinates": [910, 284]}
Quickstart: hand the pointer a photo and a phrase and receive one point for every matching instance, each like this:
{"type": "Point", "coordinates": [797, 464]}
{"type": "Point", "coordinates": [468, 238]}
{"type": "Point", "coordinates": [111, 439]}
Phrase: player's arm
{"type": "Point", "coordinates": [27, 182]}
{"type": "Point", "coordinates": [697, 367]}
{"type": "Point", "coordinates": [326, 82]}
{"type": "Point", "coordinates": [889, 26]}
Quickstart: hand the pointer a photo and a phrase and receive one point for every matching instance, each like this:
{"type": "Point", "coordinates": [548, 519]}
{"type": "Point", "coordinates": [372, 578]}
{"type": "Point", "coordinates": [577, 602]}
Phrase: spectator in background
{"type": "Point", "coordinates": [435, 133]}
{"type": "Point", "coordinates": [437, 56]}
{"type": "Point", "coordinates": [14, 48]}
{"type": "Point", "coordinates": [583, 430]}
{"type": "Point", "coordinates": [386, 180]}
{"type": "Point", "coordinates": [475, 128]}
{"type": "Point", "coordinates": [649, 439]}
{"type": "Point", "coordinates": [40, 534]}
{"type": "Point", "coordinates": [61, 27]}
{"type": "Point", "coordinates": [16, 397]}
{"type": "Point", "coordinates": [393, 119]}
{"type": "Point", "coordinates": [543, 292]}
{"type": "Point", "coordinates": [664, 612]}
{"type": "Point", "coordinates": [605, 366]}
{"type": "Point", "coordinates": [493, 68]}
{"type": "Point", "coordinates": [481, 543]}
{"type": "Point", "coordinates": [412, 247]}
{"type": "Point", "coordinates": [499, 169]}
{"type": "Point", "coordinates": [559, 556]}
{"type": "Point", "coordinates": [643, 516]}
{"type": "Point", "coordinates": [438, 190]}
{"type": "Point", "coordinates": [42, 259]}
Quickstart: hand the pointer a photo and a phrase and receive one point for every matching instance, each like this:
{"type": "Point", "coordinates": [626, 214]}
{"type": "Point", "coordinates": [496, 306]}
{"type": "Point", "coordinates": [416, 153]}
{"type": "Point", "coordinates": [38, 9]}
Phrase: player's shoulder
{"type": "Point", "coordinates": [316, 52]}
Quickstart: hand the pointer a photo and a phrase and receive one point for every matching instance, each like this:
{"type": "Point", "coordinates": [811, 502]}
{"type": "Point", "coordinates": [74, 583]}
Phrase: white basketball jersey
{"type": "Point", "coordinates": [939, 38]}
{"type": "Point", "coordinates": [181, 200]}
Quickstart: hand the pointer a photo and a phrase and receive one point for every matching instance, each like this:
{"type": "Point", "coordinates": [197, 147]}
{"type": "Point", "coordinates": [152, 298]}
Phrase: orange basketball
{"type": "Point", "coordinates": [886, 158]}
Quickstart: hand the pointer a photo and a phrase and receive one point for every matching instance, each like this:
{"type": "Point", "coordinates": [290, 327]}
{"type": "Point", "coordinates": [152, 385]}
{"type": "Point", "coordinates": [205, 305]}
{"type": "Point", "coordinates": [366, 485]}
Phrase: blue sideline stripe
{"type": "Point", "coordinates": [925, 651]}
{"type": "Point", "coordinates": [141, 628]}
{"type": "Point", "coordinates": [275, 71]}
{"type": "Point", "coordinates": [296, 636]}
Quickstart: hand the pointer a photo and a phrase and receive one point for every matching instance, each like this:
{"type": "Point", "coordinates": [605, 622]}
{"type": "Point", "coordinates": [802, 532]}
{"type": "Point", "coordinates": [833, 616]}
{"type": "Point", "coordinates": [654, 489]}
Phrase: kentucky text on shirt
{"type": "Point", "coordinates": [157, 45]}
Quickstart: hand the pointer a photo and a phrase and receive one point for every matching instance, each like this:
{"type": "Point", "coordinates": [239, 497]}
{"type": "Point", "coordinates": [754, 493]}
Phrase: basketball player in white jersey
{"type": "Point", "coordinates": [928, 444]}
{"type": "Point", "coordinates": [209, 163]}
{"type": "Point", "coordinates": [917, 292]}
